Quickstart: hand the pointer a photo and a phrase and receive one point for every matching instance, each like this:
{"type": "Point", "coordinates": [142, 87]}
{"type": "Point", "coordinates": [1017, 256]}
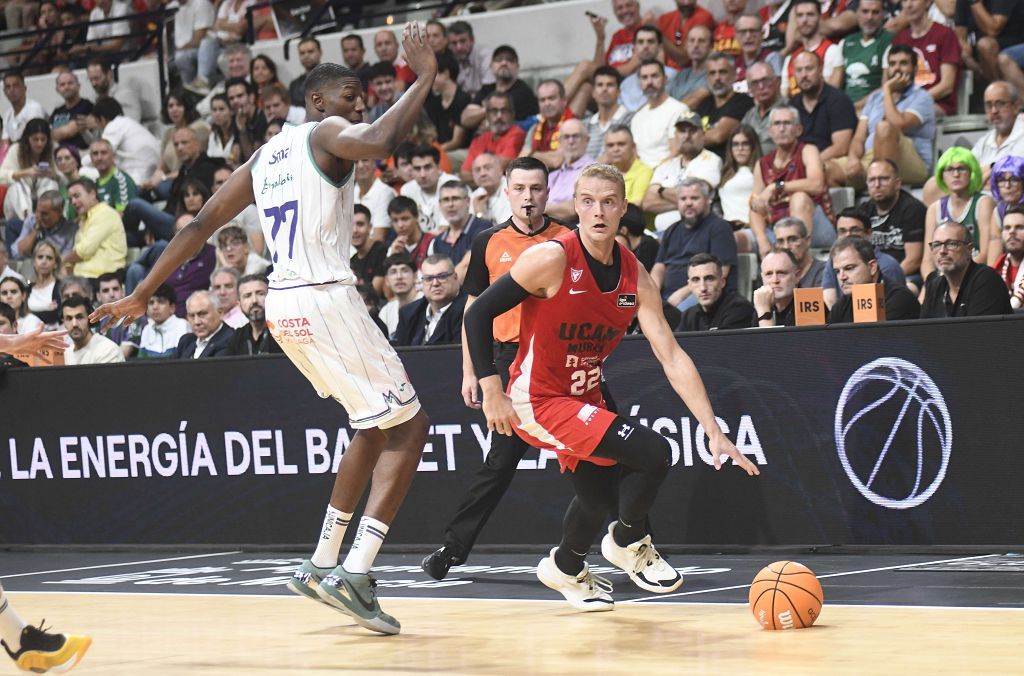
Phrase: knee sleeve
{"type": "Point", "coordinates": [635, 446]}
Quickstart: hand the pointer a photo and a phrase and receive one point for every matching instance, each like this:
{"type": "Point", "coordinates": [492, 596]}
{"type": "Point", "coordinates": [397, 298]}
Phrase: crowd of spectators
{"type": "Point", "coordinates": [733, 124]}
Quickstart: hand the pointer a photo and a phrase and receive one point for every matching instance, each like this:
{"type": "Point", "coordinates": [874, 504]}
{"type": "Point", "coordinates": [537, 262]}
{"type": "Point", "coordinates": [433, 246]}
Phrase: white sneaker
{"type": "Point", "coordinates": [642, 563]}
{"type": "Point", "coordinates": [586, 591]}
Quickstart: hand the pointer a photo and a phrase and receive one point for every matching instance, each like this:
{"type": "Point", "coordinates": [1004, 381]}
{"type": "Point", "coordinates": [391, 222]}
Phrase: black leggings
{"type": "Point", "coordinates": [643, 459]}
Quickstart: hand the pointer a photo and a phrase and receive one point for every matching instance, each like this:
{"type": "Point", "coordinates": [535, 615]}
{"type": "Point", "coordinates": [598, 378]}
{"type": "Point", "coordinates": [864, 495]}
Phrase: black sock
{"type": "Point", "coordinates": [568, 561]}
{"type": "Point", "coordinates": [625, 534]}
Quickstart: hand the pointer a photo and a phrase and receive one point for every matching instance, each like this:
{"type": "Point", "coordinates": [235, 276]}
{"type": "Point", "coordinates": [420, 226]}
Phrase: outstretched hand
{"type": "Point", "coordinates": [34, 341]}
{"type": "Point", "coordinates": [721, 445]}
{"type": "Point", "coordinates": [418, 53]}
{"type": "Point", "coordinates": [124, 311]}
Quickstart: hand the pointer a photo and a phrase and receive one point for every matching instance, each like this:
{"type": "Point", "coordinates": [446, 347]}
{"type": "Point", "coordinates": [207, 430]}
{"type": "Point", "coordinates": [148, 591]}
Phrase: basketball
{"type": "Point", "coordinates": [786, 595]}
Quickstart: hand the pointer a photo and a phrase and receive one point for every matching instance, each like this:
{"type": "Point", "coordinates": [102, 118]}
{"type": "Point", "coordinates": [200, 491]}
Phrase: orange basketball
{"type": "Point", "coordinates": [786, 595]}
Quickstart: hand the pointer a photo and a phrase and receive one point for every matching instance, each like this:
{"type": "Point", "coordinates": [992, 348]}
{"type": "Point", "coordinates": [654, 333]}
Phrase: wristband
{"type": "Point", "coordinates": [661, 191]}
{"type": "Point", "coordinates": [765, 316]}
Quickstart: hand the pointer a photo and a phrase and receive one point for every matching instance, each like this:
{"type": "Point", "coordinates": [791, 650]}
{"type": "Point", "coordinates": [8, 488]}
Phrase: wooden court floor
{"type": "Point", "coordinates": [181, 634]}
{"type": "Point", "coordinates": [228, 612]}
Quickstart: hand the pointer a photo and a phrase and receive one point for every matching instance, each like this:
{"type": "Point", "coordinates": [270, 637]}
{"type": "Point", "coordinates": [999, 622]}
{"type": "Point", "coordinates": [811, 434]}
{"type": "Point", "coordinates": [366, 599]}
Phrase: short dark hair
{"type": "Point", "coordinates": [557, 83]}
{"type": "Point", "coordinates": [797, 3]}
{"type": "Point", "coordinates": [324, 74]}
{"type": "Point", "coordinates": [502, 95]}
{"type": "Point", "coordinates": [109, 277]}
{"type": "Point", "coordinates": [905, 49]}
{"type": "Point", "coordinates": [891, 163]}
{"type": "Point", "coordinates": [399, 259]}
{"type": "Point", "coordinates": [103, 64]}
{"type": "Point", "coordinates": [362, 209]}
{"type": "Point", "coordinates": [857, 214]}
{"type": "Point", "coordinates": [652, 62]}
{"type": "Point", "coordinates": [609, 71]}
{"type": "Point", "coordinates": [250, 88]}
{"type": "Point", "coordinates": [309, 39]}
{"type": "Point", "coordinates": [648, 28]}
{"type": "Point", "coordinates": [403, 152]}
{"type": "Point", "coordinates": [381, 69]}
{"type": "Point", "coordinates": [262, 279]}
{"type": "Point", "coordinates": [355, 36]}
{"type": "Point", "coordinates": [1014, 209]}
{"type": "Point", "coordinates": [87, 184]}
{"type": "Point", "coordinates": [461, 28]}
{"type": "Point", "coordinates": [526, 164]}
{"type": "Point", "coordinates": [776, 249]}
{"type": "Point", "coordinates": [864, 248]}
{"type": "Point", "coordinates": [107, 108]}
{"type": "Point", "coordinates": [704, 259]}
{"type": "Point", "coordinates": [435, 22]}
{"type": "Point", "coordinates": [426, 151]}
{"type": "Point", "coordinates": [402, 204]}
{"type": "Point", "coordinates": [508, 50]}
{"type": "Point", "coordinates": [446, 63]}
{"type": "Point", "coordinates": [166, 292]}
{"type": "Point", "coordinates": [75, 301]}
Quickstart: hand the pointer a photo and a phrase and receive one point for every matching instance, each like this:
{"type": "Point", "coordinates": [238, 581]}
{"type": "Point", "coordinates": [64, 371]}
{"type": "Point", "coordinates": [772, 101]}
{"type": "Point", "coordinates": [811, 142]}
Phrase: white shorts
{"type": "Point", "coordinates": [327, 333]}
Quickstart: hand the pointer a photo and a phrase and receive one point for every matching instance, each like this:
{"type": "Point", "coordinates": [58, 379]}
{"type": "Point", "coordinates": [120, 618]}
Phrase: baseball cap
{"type": "Point", "coordinates": [691, 119]}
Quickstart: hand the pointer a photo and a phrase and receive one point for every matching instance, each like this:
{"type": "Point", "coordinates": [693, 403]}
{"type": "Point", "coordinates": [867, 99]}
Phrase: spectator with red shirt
{"type": "Point", "coordinates": [675, 25]}
{"type": "Point", "coordinates": [385, 46]}
{"type": "Point", "coordinates": [750, 37]}
{"type": "Point", "coordinates": [938, 55]}
{"type": "Point", "coordinates": [725, 35]}
{"type": "Point", "coordinates": [410, 240]}
{"type": "Point", "coordinates": [1009, 264]}
{"type": "Point", "coordinates": [542, 139]}
{"type": "Point", "coordinates": [503, 139]}
{"type": "Point", "coordinates": [620, 50]}
{"type": "Point", "coordinates": [806, 15]}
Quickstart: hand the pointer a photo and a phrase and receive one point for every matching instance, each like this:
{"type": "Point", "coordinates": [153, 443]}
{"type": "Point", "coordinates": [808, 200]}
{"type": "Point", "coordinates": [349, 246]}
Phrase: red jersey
{"type": "Point", "coordinates": [675, 29]}
{"type": "Point", "coordinates": [819, 50]}
{"type": "Point", "coordinates": [555, 382]}
{"type": "Point", "coordinates": [793, 171]}
{"type": "Point", "coordinates": [620, 51]}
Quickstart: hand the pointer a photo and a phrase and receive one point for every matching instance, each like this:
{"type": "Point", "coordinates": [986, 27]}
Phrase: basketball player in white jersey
{"type": "Point", "coordinates": [302, 184]}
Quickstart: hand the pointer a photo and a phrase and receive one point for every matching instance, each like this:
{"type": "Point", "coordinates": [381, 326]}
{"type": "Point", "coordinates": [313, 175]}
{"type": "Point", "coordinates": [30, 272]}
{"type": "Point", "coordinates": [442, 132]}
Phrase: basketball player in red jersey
{"type": "Point", "coordinates": [578, 294]}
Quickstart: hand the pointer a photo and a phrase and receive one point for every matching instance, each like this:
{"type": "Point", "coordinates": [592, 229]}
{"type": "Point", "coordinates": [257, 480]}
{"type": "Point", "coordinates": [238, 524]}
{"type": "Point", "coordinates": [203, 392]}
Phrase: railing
{"type": "Point", "coordinates": [138, 43]}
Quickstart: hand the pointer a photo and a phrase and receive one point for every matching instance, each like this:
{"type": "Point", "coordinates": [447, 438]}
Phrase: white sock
{"type": "Point", "coordinates": [333, 531]}
{"type": "Point", "coordinates": [369, 538]}
{"type": "Point", "coordinates": [10, 624]}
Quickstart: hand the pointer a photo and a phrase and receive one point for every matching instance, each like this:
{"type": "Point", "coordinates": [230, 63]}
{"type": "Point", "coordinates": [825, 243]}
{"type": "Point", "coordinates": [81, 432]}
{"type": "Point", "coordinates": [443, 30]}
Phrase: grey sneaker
{"type": "Point", "coordinates": [306, 579]}
{"type": "Point", "coordinates": [356, 594]}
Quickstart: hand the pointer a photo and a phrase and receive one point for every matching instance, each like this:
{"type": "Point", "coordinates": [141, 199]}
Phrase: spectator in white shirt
{"type": "Point", "coordinates": [375, 195]}
{"type": "Point", "coordinates": [191, 24]}
{"type": "Point", "coordinates": [653, 123]}
{"type": "Point", "coordinates": [87, 347]}
{"type": "Point", "coordinates": [137, 151]}
{"type": "Point", "coordinates": [490, 199]}
{"type": "Point", "coordinates": [22, 109]}
{"type": "Point", "coordinates": [164, 329]}
{"type": "Point", "coordinates": [693, 161]}
{"type": "Point", "coordinates": [424, 188]}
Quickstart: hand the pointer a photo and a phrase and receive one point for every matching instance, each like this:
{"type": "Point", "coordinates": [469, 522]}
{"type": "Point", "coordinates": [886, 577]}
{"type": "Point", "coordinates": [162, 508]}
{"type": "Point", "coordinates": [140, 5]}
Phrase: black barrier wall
{"type": "Point", "coordinates": [893, 434]}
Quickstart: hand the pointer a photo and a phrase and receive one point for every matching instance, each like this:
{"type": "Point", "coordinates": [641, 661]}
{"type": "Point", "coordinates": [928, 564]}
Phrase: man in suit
{"type": "Point", "coordinates": [436, 318]}
{"type": "Point", "coordinates": [210, 336]}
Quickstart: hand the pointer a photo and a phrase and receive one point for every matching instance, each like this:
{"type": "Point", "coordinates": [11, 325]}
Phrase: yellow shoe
{"type": "Point", "coordinates": [41, 652]}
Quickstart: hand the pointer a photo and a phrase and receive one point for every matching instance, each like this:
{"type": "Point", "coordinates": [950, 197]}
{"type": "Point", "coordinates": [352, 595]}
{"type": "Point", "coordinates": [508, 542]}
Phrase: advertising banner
{"type": "Point", "coordinates": [893, 434]}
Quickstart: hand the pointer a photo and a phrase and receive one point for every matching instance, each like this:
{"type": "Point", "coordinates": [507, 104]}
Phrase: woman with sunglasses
{"type": "Point", "coordinates": [959, 176]}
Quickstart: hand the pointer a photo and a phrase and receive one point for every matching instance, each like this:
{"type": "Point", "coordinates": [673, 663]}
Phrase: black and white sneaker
{"type": "Point", "coordinates": [586, 591]}
{"type": "Point", "coordinates": [642, 563]}
{"type": "Point", "coordinates": [436, 564]}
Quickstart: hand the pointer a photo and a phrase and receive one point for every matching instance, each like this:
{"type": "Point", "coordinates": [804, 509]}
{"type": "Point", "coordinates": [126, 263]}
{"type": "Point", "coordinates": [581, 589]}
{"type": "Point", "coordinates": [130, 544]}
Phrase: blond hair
{"type": "Point", "coordinates": [605, 172]}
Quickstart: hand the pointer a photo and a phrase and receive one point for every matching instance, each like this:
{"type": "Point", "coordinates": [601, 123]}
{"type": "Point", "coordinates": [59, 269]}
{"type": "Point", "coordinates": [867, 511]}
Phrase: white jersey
{"type": "Point", "coordinates": [306, 217]}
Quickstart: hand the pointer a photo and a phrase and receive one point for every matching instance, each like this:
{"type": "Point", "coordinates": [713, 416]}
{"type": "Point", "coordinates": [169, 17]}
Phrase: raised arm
{"type": "Point", "coordinates": [379, 140]}
{"type": "Point", "coordinates": [682, 373]}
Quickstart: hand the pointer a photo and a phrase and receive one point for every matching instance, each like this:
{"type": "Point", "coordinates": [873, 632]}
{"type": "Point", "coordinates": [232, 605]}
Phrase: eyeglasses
{"type": "Point", "coordinates": [1007, 178]}
{"type": "Point", "coordinates": [232, 243]}
{"type": "Point", "coordinates": [949, 244]}
{"type": "Point", "coordinates": [957, 169]}
{"type": "Point", "coordinates": [763, 82]}
{"type": "Point", "coordinates": [439, 277]}
{"type": "Point", "coordinates": [992, 105]}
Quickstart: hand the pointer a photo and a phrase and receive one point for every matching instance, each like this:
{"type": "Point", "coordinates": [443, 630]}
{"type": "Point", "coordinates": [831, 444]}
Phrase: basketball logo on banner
{"type": "Point", "coordinates": [893, 433]}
